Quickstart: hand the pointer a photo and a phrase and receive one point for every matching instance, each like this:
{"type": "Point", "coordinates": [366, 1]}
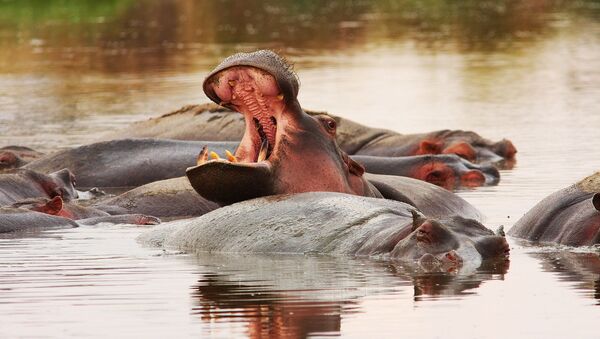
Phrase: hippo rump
{"type": "Point", "coordinates": [334, 224]}
{"type": "Point", "coordinates": [569, 217]}
{"type": "Point", "coordinates": [22, 184]}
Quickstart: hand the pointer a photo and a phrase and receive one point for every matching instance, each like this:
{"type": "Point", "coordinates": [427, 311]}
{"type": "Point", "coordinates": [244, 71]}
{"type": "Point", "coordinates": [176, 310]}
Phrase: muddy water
{"type": "Point", "coordinates": [528, 71]}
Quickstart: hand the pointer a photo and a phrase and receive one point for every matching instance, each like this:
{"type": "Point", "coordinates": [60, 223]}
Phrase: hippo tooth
{"type": "Point", "coordinates": [231, 83]}
{"type": "Point", "coordinates": [262, 154]}
{"type": "Point", "coordinates": [214, 156]}
{"type": "Point", "coordinates": [202, 156]}
{"type": "Point", "coordinates": [280, 97]}
{"type": "Point", "coordinates": [230, 156]}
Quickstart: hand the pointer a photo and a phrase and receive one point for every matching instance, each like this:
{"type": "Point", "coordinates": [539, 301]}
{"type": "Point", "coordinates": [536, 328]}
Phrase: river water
{"type": "Point", "coordinates": [528, 71]}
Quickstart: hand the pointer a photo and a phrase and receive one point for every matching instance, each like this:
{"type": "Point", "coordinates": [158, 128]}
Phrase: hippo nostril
{"type": "Point", "coordinates": [473, 178]}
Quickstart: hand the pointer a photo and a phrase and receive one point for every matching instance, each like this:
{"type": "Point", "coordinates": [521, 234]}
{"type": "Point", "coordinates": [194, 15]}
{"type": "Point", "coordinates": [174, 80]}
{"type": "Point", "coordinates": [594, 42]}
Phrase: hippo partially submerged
{"type": "Point", "coordinates": [335, 224]}
{"type": "Point", "coordinates": [22, 184]}
{"type": "Point", "coordinates": [283, 149]}
{"type": "Point", "coordinates": [570, 216]}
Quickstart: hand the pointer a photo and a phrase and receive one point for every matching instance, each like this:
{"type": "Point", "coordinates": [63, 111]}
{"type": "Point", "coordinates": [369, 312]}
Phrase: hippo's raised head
{"type": "Point", "coordinates": [283, 150]}
{"type": "Point", "coordinates": [449, 242]}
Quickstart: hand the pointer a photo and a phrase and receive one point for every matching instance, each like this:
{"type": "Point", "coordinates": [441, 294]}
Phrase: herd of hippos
{"type": "Point", "coordinates": [298, 182]}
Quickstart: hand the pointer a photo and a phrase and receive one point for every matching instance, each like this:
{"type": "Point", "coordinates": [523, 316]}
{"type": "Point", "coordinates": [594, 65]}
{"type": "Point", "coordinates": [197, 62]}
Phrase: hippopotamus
{"type": "Point", "coordinates": [449, 171]}
{"type": "Point", "coordinates": [16, 156]}
{"type": "Point", "coordinates": [175, 198]}
{"type": "Point", "coordinates": [127, 162]}
{"type": "Point", "coordinates": [283, 149]}
{"type": "Point", "coordinates": [22, 184]}
{"type": "Point", "coordinates": [335, 224]}
{"type": "Point", "coordinates": [83, 214]}
{"type": "Point", "coordinates": [570, 216]}
{"type": "Point", "coordinates": [171, 198]}
{"type": "Point", "coordinates": [212, 122]}
{"type": "Point", "coordinates": [21, 219]}
{"type": "Point", "coordinates": [144, 160]}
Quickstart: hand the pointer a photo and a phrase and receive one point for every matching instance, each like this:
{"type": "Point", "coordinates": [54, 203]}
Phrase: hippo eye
{"type": "Point", "coordinates": [330, 125]}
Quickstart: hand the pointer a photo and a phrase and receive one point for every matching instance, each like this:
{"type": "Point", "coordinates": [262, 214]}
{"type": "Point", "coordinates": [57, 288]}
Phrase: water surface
{"type": "Point", "coordinates": [524, 70]}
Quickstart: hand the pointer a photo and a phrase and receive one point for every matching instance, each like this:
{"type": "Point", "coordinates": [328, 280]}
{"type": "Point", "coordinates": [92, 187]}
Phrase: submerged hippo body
{"type": "Point", "coordinates": [336, 224]}
{"type": "Point", "coordinates": [22, 184]}
{"type": "Point", "coordinates": [21, 219]}
{"type": "Point", "coordinates": [172, 198]}
{"type": "Point", "coordinates": [448, 171]}
{"type": "Point", "coordinates": [126, 162]}
{"type": "Point", "coordinates": [570, 216]}
{"type": "Point", "coordinates": [83, 214]}
{"type": "Point", "coordinates": [212, 122]}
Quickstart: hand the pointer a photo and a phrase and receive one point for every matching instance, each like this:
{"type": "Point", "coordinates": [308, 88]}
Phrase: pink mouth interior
{"type": "Point", "coordinates": [255, 94]}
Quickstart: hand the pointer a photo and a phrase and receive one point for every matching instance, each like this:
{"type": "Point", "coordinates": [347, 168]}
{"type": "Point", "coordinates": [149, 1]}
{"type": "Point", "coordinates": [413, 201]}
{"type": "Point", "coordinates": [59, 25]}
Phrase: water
{"type": "Point", "coordinates": [524, 70]}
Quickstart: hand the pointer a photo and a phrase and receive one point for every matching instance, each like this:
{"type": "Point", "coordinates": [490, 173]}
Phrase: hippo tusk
{"type": "Point", "coordinates": [262, 154]}
{"type": "Point", "coordinates": [214, 156]}
{"type": "Point", "coordinates": [230, 156]}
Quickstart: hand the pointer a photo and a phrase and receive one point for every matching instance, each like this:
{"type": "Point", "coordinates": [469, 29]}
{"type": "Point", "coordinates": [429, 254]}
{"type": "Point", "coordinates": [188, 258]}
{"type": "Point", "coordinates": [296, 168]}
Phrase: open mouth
{"type": "Point", "coordinates": [254, 93]}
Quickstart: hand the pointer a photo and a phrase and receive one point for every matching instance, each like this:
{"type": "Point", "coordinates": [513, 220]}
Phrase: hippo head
{"type": "Point", "coordinates": [283, 150]}
{"type": "Point", "coordinates": [447, 243]}
{"type": "Point", "coordinates": [10, 160]}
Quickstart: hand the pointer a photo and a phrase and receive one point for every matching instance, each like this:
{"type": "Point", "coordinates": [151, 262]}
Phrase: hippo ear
{"type": "Point", "coordinates": [355, 168]}
{"type": "Point", "coordinates": [417, 219]}
{"type": "Point", "coordinates": [54, 206]}
{"type": "Point", "coordinates": [429, 147]}
{"type": "Point", "coordinates": [596, 201]}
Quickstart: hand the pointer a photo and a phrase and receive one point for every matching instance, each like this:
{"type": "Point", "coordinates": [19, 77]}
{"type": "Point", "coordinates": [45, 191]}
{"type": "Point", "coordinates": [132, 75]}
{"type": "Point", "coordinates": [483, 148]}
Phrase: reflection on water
{"type": "Point", "coordinates": [525, 70]}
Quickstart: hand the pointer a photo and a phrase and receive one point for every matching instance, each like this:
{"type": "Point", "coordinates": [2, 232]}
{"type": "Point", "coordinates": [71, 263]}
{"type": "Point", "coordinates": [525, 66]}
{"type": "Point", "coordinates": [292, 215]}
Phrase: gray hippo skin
{"type": "Point", "coordinates": [335, 224]}
{"type": "Point", "coordinates": [172, 198]}
{"type": "Point", "coordinates": [22, 184]}
{"type": "Point", "coordinates": [126, 162]}
{"type": "Point", "coordinates": [83, 214]}
{"type": "Point", "coordinates": [20, 219]}
{"type": "Point", "coordinates": [212, 122]}
{"type": "Point", "coordinates": [449, 171]}
{"type": "Point", "coordinates": [135, 162]}
{"type": "Point", "coordinates": [570, 216]}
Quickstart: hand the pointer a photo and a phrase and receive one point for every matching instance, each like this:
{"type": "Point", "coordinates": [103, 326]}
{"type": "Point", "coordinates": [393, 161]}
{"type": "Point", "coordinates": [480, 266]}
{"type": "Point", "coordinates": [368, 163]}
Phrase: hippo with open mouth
{"type": "Point", "coordinates": [280, 139]}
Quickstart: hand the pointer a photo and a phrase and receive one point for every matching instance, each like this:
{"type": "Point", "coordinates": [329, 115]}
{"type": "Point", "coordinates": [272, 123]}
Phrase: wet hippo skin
{"type": "Point", "coordinates": [334, 224]}
{"type": "Point", "coordinates": [570, 216]}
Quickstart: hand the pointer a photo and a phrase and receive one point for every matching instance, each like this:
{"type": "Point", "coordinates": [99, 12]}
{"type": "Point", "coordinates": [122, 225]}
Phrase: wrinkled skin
{"type": "Point", "coordinates": [283, 149]}
{"type": "Point", "coordinates": [83, 214]}
{"type": "Point", "coordinates": [448, 171]}
{"type": "Point", "coordinates": [335, 224]}
{"type": "Point", "coordinates": [157, 159]}
{"type": "Point", "coordinates": [16, 156]}
{"type": "Point", "coordinates": [431, 200]}
{"type": "Point", "coordinates": [126, 162]}
{"type": "Point", "coordinates": [175, 199]}
{"type": "Point", "coordinates": [171, 199]}
{"type": "Point", "coordinates": [211, 122]}
{"type": "Point", "coordinates": [22, 184]}
{"type": "Point", "coordinates": [570, 216]}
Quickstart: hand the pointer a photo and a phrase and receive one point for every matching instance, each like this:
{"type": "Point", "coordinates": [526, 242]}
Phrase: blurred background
{"type": "Point", "coordinates": [70, 70]}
